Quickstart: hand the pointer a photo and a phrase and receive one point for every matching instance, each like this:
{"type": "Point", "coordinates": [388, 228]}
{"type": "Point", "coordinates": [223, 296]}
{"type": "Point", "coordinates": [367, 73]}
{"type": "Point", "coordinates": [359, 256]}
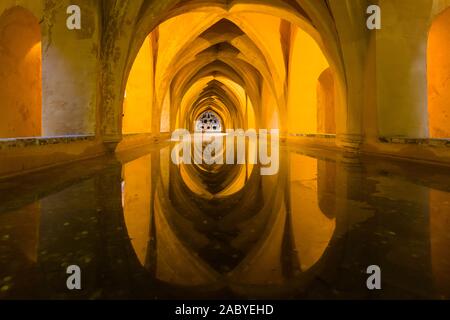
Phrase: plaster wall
{"type": "Point", "coordinates": [438, 56]}
{"type": "Point", "coordinates": [70, 70]}
{"type": "Point", "coordinates": [20, 74]}
{"type": "Point", "coordinates": [270, 115]}
{"type": "Point", "coordinates": [307, 63]}
{"type": "Point", "coordinates": [401, 68]}
{"type": "Point", "coordinates": [138, 101]}
{"type": "Point", "coordinates": [165, 114]}
{"type": "Point", "coordinates": [326, 117]}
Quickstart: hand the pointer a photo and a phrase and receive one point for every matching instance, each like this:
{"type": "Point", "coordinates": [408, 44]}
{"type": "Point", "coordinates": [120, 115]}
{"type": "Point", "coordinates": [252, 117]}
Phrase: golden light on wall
{"type": "Point", "coordinates": [326, 109]}
{"type": "Point", "coordinates": [138, 100]}
{"type": "Point", "coordinates": [307, 64]}
{"type": "Point", "coordinates": [20, 74]}
{"type": "Point", "coordinates": [438, 76]}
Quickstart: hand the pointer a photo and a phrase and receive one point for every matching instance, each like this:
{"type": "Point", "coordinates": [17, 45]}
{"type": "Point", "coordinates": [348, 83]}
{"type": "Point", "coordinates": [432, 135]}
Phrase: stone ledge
{"type": "Point", "coordinates": [313, 135]}
{"type": "Point", "coordinates": [42, 141]}
{"type": "Point", "coordinates": [417, 141]}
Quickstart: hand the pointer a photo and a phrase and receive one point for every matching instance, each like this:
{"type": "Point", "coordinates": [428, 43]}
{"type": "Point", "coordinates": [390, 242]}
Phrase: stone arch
{"type": "Point", "coordinates": [438, 73]}
{"type": "Point", "coordinates": [20, 74]}
{"type": "Point", "coordinates": [306, 64]}
{"type": "Point", "coordinates": [305, 14]}
{"type": "Point", "coordinates": [326, 114]}
{"type": "Point", "coordinates": [138, 98]}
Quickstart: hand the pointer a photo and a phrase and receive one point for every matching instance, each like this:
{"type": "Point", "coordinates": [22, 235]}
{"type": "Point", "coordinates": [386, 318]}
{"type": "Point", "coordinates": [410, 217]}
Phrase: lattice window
{"type": "Point", "coordinates": [208, 121]}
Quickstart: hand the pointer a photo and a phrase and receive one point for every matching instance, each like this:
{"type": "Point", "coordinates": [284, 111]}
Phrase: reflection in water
{"type": "Point", "coordinates": [145, 227]}
{"type": "Point", "coordinates": [312, 228]}
{"type": "Point", "coordinates": [136, 194]}
{"type": "Point", "coordinates": [440, 238]}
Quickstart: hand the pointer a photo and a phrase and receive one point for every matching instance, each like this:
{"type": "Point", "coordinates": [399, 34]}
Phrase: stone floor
{"type": "Point", "coordinates": [140, 227]}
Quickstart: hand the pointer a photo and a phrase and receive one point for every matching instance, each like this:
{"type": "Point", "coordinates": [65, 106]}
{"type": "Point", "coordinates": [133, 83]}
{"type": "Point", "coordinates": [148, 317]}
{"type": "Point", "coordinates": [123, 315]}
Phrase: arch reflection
{"type": "Point", "coordinates": [231, 228]}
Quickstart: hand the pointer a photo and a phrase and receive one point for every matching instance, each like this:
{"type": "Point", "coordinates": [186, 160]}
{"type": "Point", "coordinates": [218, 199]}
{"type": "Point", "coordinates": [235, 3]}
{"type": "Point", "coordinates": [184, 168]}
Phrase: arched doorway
{"type": "Point", "coordinates": [20, 74]}
{"type": "Point", "coordinates": [270, 60]}
{"type": "Point", "coordinates": [138, 98]}
{"type": "Point", "coordinates": [439, 76]}
{"type": "Point", "coordinates": [311, 103]}
{"type": "Point", "coordinates": [326, 111]}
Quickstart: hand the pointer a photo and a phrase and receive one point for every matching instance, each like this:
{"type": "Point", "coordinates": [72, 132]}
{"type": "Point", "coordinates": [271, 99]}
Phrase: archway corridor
{"type": "Point", "coordinates": [264, 149]}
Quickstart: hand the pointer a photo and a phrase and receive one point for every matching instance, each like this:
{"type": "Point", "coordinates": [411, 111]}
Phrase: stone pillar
{"type": "Point", "coordinates": [326, 119]}
{"type": "Point", "coordinates": [402, 68]}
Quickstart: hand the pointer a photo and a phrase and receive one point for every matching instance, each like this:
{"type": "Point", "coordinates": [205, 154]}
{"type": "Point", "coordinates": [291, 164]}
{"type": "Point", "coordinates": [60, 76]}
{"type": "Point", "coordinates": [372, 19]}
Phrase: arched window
{"type": "Point", "coordinates": [439, 77]}
{"type": "Point", "coordinates": [20, 74]}
{"type": "Point", "coordinates": [208, 121]}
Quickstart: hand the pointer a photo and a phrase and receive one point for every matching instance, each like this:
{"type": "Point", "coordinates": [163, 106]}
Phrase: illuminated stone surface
{"type": "Point", "coordinates": [140, 226]}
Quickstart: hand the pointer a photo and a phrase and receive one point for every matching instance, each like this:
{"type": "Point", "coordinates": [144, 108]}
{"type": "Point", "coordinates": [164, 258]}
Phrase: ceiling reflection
{"type": "Point", "coordinates": [228, 227]}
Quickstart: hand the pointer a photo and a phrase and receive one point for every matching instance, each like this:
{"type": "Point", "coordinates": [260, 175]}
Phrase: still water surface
{"type": "Point", "coordinates": [141, 227]}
